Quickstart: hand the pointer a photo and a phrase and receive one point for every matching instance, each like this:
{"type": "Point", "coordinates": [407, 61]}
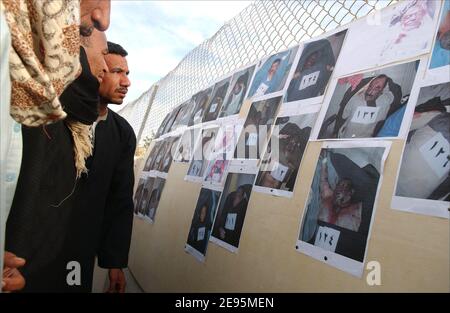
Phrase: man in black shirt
{"type": "Point", "coordinates": [105, 195]}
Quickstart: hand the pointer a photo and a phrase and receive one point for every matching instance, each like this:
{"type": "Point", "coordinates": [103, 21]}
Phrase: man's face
{"type": "Point", "coordinates": [375, 89]}
{"type": "Point", "coordinates": [237, 88]}
{"type": "Point", "coordinates": [444, 40]}
{"type": "Point", "coordinates": [96, 49]}
{"type": "Point", "coordinates": [311, 60]}
{"type": "Point", "coordinates": [94, 14]}
{"type": "Point", "coordinates": [343, 193]}
{"type": "Point", "coordinates": [412, 18]}
{"type": "Point", "coordinates": [114, 86]}
{"type": "Point", "coordinates": [203, 213]}
{"type": "Point", "coordinates": [274, 67]}
{"type": "Point", "coordinates": [292, 144]}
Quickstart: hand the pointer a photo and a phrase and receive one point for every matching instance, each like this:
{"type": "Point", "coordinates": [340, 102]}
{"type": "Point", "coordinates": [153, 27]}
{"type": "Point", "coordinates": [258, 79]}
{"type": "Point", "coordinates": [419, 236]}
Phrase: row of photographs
{"type": "Point", "coordinates": [424, 171]}
{"type": "Point", "coordinates": [342, 195]}
{"type": "Point", "coordinates": [301, 75]}
{"type": "Point", "coordinates": [338, 213]}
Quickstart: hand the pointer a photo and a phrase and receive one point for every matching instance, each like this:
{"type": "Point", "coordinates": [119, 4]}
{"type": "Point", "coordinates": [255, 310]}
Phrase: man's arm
{"type": "Point", "coordinates": [118, 221]}
{"type": "Point", "coordinates": [325, 189]}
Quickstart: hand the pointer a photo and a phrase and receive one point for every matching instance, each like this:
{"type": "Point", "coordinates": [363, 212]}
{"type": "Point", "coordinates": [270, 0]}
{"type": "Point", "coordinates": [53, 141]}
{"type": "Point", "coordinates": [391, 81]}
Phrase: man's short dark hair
{"type": "Point", "coordinates": [114, 48]}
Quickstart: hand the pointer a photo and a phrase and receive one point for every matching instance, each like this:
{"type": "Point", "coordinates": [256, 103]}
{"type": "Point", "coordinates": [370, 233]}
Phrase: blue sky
{"type": "Point", "coordinates": [158, 34]}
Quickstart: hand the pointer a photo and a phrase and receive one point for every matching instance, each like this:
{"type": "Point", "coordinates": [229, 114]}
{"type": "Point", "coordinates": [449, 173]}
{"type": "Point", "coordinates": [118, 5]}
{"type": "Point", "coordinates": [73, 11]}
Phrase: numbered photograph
{"type": "Point", "coordinates": [138, 196]}
{"type": "Point", "coordinates": [232, 210]}
{"type": "Point", "coordinates": [271, 74]}
{"type": "Point", "coordinates": [240, 83]}
{"type": "Point", "coordinates": [185, 147]}
{"type": "Point", "coordinates": [423, 183]}
{"type": "Point", "coordinates": [370, 104]}
{"type": "Point", "coordinates": [284, 153]}
{"type": "Point", "coordinates": [339, 209]}
{"type": "Point", "coordinates": [200, 101]}
{"type": "Point", "coordinates": [257, 128]}
{"type": "Point", "coordinates": [314, 68]}
{"type": "Point", "coordinates": [202, 221]}
{"type": "Point", "coordinates": [203, 154]}
{"type": "Point", "coordinates": [402, 31]}
{"type": "Point", "coordinates": [183, 116]}
{"type": "Point", "coordinates": [217, 100]}
{"type": "Point", "coordinates": [145, 190]}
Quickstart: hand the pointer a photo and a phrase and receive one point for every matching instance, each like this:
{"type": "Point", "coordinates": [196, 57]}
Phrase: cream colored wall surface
{"type": "Point", "coordinates": [413, 249]}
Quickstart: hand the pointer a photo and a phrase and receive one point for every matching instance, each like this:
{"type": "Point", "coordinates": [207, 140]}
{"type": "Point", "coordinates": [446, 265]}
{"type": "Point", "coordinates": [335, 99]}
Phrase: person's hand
{"type": "Point", "coordinates": [117, 281]}
{"type": "Point", "coordinates": [12, 279]}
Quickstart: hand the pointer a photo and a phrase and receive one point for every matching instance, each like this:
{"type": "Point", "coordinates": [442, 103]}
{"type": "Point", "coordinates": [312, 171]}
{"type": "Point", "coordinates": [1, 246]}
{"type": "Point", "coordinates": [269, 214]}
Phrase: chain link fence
{"type": "Point", "coordinates": [263, 28]}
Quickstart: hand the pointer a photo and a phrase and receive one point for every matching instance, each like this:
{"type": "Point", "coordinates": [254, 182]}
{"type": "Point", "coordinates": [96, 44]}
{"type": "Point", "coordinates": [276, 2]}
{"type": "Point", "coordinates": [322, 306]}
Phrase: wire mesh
{"type": "Point", "coordinates": [263, 28]}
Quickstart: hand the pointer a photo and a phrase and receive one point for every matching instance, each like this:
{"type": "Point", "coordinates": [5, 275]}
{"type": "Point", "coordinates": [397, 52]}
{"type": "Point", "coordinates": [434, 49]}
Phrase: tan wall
{"type": "Point", "coordinates": [413, 250]}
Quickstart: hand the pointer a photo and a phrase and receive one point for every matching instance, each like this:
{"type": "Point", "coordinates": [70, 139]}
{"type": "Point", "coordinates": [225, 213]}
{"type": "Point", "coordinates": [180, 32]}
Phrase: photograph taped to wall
{"type": "Point", "coordinates": [423, 183]}
{"type": "Point", "coordinates": [144, 190]}
{"type": "Point", "coordinates": [183, 115]}
{"type": "Point", "coordinates": [313, 70]}
{"type": "Point", "coordinates": [257, 128]}
{"type": "Point", "coordinates": [398, 32]}
{"type": "Point", "coordinates": [171, 145]}
{"type": "Point", "coordinates": [154, 149]}
{"type": "Point", "coordinates": [203, 153]}
{"type": "Point", "coordinates": [368, 105]}
{"type": "Point", "coordinates": [339, 210]}
{"type": "Point", "coordinates": [271, 74]}
{"type": "Point", "coordinates": [239, 86]}
{"type": "Point", "coordinates": [159, 156]}
{"type": "Point", "coordinates": [138, 196]}
{"type": "Point", "coordinates": [172, 117]}
{"type": "Point", "coordinates": [281, 162]}
{"type": "Point", "coordinates": [215, 173]}
{"type": "Point", "coordinates": [440, 56]}
{"type": "Point", "coordinates": [232, 209]}
{"type": "Point", "coordinates": [186, 144]}
{"type": "Point", "coordinates": [151, 196]}
{"type": "Point", "coordinates": [217, 99]}
{"type": "Point", "coordinates": [202, 221]}
{"type": "Point", "coordinates": [200, 101]}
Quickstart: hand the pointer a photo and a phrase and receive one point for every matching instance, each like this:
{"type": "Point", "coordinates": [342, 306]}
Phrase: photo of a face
{"type": "Point", "coordinates": [151, 195]}
{"type": "Point", "coordinates": [425, 167]}
{"type": "Point", "coordinates": [403, 30]}
{"type": "Point", "coordinates": [441, 50]}
{"type": "Point", "coordinates": [215, 172]}
{"type": "Point", "coordinates": [185, 147]}
{"type": "Point", "coordinates": [203, 153]}
{"type": "Point", "coordinates": [371, 104]}
{"type": "Point", "coordinates": [281, 161]}
{"type": "Point", "coordinates": [143, 204]}
{"type": "Point", "coordinates": [183, 115]}
{"type": "Point", "coordinates": [272, 73]}
{"type": "Point", "coordinates": [341, 200]}
{"type": "Point", "coordinates": [138, 195]}
{"type": "Point", "coordinates": [236, 95]}
{"type": "Point", "coordinates": [217, 100]}
{"type": "Point", "coordinates": [257, 128]}
{"type": "Point", "coordinates": [171, 144]}
{"type": "Point", "coordinates": [232, 208]}
{"type": "Point", "coordinates": [200, 101]}
{"type": "Point", "coordinates": [314, 68]}
{"type": "Point", "coordinates": [151, 159]}
{"type": "Point", "coordinates": [203, 219]}
{"type": "Point", "coordinates": [160, 156]}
